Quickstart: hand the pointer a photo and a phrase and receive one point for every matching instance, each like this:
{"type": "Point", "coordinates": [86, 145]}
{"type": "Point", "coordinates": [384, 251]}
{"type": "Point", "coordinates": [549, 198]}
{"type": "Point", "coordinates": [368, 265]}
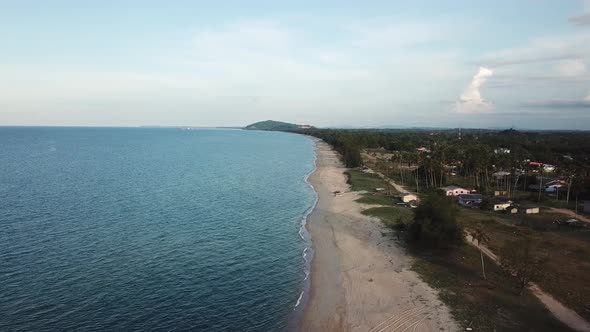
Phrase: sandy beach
{"type": "Point", "coordinates": [360, 279]}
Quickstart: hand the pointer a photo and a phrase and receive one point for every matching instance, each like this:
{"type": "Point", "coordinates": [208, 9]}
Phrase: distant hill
{"type": "Point", "coordinates": [275, 126]}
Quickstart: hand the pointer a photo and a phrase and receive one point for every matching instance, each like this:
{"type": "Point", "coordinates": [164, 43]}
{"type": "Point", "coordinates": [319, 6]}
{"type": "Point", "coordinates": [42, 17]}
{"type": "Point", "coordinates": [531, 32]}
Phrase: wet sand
{"type": "Point", "coordinates": [360, 278]}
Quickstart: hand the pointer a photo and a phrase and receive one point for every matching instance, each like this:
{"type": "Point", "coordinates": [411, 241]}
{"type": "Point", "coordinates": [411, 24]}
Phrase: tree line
{"type": "Point", "coordinates": [472, 154]}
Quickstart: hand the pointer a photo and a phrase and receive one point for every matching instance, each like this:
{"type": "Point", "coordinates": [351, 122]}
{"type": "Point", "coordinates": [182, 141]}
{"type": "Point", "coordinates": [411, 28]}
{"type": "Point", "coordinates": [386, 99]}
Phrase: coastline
{"type": "Point", "coordinates": [360, 279]}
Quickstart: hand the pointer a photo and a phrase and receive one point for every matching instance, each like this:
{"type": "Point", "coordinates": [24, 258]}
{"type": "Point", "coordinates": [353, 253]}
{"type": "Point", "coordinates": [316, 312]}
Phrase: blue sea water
{"type": "Point", "coordinates": [137, 229]}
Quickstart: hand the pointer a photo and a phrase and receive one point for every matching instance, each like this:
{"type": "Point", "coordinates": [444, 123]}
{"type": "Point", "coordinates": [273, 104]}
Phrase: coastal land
{"type": "Point", "coordinates": [360, 278]}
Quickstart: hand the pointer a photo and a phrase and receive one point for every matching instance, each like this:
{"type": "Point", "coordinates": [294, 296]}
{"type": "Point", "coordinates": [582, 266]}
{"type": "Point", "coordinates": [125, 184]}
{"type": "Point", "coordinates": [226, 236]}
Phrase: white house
{"type": "Point", "coordinates": [530, 209]}
{"type": "Point", "coordinates": [407, 197]}
{"type": "Point", "coordinates": [501, 150]}
{"type": "Point", "coordinates": [501, 204]}
{"type": "Point", "coordinates": [455, 191]}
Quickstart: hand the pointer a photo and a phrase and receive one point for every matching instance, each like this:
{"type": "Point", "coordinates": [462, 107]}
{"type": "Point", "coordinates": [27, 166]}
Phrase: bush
{"type": "Point", "coordinates": [435, 222]}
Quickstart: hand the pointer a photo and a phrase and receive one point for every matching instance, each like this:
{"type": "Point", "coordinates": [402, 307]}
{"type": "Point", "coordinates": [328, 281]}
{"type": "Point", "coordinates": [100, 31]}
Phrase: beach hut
{"type": "Point", "coordinates": [407, 197]}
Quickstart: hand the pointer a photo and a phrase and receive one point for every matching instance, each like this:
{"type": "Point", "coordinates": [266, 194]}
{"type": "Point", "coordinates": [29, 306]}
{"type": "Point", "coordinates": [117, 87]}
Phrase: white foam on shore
{"type": "Point", "coordinates": [305, 235]}
{"type": "Point", "coordinates": [299, 299]}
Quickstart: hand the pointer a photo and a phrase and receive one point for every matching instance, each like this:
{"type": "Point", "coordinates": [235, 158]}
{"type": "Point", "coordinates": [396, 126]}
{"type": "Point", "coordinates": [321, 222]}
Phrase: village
{"type": "Point", "coordinates": [509, 209]}
{"type": "Point", "coordinates": [509, 192]}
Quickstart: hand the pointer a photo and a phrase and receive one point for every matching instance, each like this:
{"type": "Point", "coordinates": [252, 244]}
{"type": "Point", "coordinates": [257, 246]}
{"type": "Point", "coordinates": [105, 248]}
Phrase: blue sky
{"type": "Point", "coordinates": [328, 63]}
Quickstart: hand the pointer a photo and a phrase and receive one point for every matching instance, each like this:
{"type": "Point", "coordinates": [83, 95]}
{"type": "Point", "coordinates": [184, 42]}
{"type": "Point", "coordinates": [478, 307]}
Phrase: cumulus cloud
{"type": "Point", "coordinates": [471, 100]}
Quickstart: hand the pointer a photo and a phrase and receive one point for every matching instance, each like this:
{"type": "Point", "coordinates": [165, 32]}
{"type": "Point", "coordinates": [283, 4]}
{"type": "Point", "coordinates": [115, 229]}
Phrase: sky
{"type": "Point", "coordinates": [458, 64]}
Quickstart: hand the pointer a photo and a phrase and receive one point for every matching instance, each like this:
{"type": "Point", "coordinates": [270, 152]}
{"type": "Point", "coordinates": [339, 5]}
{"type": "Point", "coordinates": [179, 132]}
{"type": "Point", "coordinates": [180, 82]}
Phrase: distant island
{"type": "Point", "coordinates": [276, 126]}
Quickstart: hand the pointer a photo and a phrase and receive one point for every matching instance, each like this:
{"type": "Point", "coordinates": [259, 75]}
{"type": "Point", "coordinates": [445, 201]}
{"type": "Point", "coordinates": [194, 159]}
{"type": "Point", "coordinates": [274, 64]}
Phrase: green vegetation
{"type": "Point", "coordinates": [391, 216]}
{"type": "Point", "coordinates": [493, 303]}
{"type": "Point", "coordinates": [272, 125]}
{"type": "Point", "coordinates": [378, 199]}
{"type": "Point", "coordinates": [360, 181]}
{"type": "Point", "coordinates": [466, 157]}
{"type": "Point", "coordinates": [484, 305]}
{"type": "Point", "coordinates": [387, 210]}
{"type": "Point", "coordinates": [435, 222]}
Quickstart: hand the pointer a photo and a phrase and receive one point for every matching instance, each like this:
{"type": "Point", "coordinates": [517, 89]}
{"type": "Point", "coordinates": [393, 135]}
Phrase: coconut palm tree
{"type": "Point", "coordinates": [481, 237]}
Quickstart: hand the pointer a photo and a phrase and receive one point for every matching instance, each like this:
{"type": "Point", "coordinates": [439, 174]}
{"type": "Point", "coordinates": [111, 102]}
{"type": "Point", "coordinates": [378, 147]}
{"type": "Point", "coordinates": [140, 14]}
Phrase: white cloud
{"type": "Point", "coordinates": [249, 70]}
{"type": "Point", "coordinates": [571, 67]}
{"type": "Point", "coordinates": [587, 97]}
{"type": "Point", "coordinates": [471, 100]}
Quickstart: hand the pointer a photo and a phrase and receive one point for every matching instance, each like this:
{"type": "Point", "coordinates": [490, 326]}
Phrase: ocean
{"type": "Point", "coordinates": [148, 229]}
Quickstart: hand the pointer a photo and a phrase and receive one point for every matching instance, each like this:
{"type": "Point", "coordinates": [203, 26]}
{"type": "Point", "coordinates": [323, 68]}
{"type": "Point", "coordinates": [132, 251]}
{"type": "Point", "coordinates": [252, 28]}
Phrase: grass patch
{"type": "Point", "coordinates": [484, 305]}
{"type": "Point", "coordinates": [390, 215]}
{"type": "Point", "coordinates": [360, 181]}
{"type": "Point", "coordinates": [371, 199]}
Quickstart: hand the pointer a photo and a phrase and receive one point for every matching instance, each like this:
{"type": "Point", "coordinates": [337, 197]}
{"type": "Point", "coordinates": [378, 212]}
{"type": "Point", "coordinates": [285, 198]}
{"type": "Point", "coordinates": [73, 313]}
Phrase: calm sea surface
{"type": "Point", "coordinates": [151, 229]}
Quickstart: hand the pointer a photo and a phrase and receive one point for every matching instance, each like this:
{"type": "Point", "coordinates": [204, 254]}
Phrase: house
{"type": "Point", "coordinates": [500, 193]}
{"type": "Point", "coordinates": [501, 203]}
{"type": "Point", "coordinates": [422, 149]}
{"type": "Point", "coordinates": [470, 199]}
{"type": "Point", "coordinates": [548, 168]}
{"type": "Point", "coordinates": [529, 209]}
{"type": "Point", "coordinates": [407, 197]}
{"type": "Point", "coordinates": [455, 191]}
{"type": "Point", "coordinates": [501, 150]}
{"type": "Point", "coordinates": [511, 209]}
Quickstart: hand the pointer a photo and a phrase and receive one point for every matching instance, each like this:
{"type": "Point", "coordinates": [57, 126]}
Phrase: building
{"type": "Point", "coordinates": [586, 206]}
{"type": "Point", "coordinates": [511, 209]}
{"type": "Point", "coordinates": [470, 199]}
{"type": "Point", "coordinates": [407, 197]}
{"type": "Point", "coordinates": [500, 193]}
{"type": "Point", "coordinates": [529, 209]}
{"type": "Point", "coordinates": [455, 191]}
{"type": "Point", "coordinates": [501, 150]}
{"type": "Point", "coordinates": [501, 203]}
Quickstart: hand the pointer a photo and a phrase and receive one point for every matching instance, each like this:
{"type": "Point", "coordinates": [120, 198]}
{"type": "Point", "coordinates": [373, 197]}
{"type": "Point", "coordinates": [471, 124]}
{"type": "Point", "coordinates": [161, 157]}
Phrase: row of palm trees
{"type": "Point", "coordinates": [478, 166]}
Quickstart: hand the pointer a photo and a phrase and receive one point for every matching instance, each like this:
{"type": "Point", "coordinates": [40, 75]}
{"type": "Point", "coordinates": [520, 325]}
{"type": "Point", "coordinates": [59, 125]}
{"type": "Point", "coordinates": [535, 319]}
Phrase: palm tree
{"type": "Point", "coordinates": [481, 237]}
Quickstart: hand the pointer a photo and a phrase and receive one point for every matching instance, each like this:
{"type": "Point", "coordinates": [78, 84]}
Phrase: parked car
{"type": "Point", "coordinates": [573, 223]}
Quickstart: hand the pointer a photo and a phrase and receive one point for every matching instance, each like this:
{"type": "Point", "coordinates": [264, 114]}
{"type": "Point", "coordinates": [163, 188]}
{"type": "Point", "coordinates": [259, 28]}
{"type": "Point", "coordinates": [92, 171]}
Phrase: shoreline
{"type": "Point", "coordinates": [295, 318]}
{"type": "Point", "coordinates": [360, 278]}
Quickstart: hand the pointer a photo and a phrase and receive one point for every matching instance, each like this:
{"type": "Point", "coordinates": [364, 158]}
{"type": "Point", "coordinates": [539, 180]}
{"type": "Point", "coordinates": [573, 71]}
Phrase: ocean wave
{"type": "Point", "coordinates": [299, 299]}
